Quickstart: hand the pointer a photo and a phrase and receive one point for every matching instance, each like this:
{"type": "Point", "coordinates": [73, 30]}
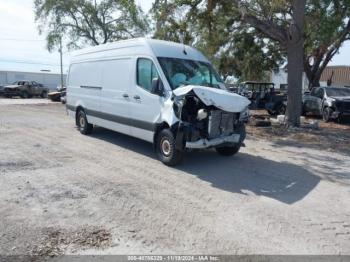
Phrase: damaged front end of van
{"type": "Point", "coordinates": [210, 118]}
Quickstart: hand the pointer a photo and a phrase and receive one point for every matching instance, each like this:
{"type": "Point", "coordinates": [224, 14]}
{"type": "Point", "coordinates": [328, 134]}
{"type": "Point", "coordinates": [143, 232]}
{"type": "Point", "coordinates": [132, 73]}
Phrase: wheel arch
{"type": "Point", "coordinates": [327, 106]}
{"type": "Point", "coordinates": [77, 110]}
{"type": "Point", "coordinates": [164, 125]}
{"type": "Point", "coordinates": [159, 127]}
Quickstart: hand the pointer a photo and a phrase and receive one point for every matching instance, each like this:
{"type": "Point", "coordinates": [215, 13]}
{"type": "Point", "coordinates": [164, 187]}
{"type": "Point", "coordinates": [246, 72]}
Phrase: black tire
{"type": "Point", "coordinates": [271, 113]}
{"type": "Point", "coordinates": [262, 123]}
{"type": "Point", "coordinates": [83, 125]}
{"type": "Point", "coordinates": [234, 149]}
{"type": "Point", "coordinates": [281, 110]}
{"type": "Point", "coordinates": [340, 120]}
{"type": "Point", "coordinates": [326, 114]}
{"type": "Point", "coordinates": [24, 94]}
{"type": "Point", "coordinates": [166, 149]}
{"type": "Point", "coordinates": [303, 111]}
{"type": "Point", "coordinates": [228, 150]}
{"type": "Point", "coordinates": [43, 94]}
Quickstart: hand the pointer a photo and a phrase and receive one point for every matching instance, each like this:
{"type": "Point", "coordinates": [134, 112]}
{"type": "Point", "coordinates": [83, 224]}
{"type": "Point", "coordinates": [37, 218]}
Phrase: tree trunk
{"type": "Point", "coordinates": [313, 76]}
{"type": "Point", "coordinates": [295, 54]}
{"type": "Point", "coordinates": [295, 81]}
{"type": "Point", "coordinates": [315, 81]}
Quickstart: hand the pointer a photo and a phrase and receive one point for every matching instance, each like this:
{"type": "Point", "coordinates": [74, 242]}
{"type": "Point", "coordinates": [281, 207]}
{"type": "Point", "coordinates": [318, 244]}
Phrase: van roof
{"type": "Point", "coordinates": [139, 46]}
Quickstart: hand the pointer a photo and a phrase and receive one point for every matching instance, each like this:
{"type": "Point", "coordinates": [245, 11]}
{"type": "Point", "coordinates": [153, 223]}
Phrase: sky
{"type": "Point", "coordinates": [22, 48]}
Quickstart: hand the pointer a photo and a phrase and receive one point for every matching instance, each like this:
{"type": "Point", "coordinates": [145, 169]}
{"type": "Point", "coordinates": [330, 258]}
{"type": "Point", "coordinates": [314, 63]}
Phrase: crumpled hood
{"type": "Point", "coordinates": [222, 99]}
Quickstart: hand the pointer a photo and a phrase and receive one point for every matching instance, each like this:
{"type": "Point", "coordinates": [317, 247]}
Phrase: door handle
{"type": "Point", "coordinates": [137, 97]}
{"type": "Point", "coordinates": [125, 95]}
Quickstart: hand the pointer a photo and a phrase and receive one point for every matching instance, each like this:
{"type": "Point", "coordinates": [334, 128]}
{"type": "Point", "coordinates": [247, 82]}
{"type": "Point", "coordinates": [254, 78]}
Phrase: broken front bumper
{"type": "Point", "coordinates": [205, 143]}
{"type": "Point", "coordinates": [338, 114]}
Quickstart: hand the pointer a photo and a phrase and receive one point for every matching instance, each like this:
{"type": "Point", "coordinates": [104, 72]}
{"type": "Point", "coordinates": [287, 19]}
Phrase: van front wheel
{"type": "Point", "coordinates": [228, 150]}
{"type": "Point", "coordinates": [166, 150]}
{"type": "Point", "coordinates": [84, 127]}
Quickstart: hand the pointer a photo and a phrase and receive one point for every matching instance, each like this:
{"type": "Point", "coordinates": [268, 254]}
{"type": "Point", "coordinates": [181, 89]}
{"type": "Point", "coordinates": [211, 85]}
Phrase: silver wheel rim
{"type": "Point", "coordinates": [82, 121]}
{"type": "Point", "coordinates": [166, 147]}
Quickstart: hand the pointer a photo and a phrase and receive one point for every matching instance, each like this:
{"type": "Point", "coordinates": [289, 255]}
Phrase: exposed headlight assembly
{"type": "Point", "coordinates": [202, 114]}
{"type": "Point", "coordinates": [178, 104]}
{"type": "Point", "coordinates": [331, 100]}
{"type": "Point", "coordinates": [244, 115]}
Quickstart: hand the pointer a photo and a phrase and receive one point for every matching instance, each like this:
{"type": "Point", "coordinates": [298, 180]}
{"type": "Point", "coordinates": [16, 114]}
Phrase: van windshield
{"type": "Point", "coordinates": [180, 72]}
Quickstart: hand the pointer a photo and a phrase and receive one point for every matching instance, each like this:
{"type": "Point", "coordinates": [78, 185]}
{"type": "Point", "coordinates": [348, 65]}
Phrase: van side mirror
{"type": "Point", "coordinates": [157, 86]}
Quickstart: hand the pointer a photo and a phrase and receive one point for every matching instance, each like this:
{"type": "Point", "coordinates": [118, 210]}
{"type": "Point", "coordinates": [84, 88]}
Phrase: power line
{"type": "Point", "coordinates": [28, 62]}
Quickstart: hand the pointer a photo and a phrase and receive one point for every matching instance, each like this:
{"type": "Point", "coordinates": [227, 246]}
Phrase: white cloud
{"type": "Point", "coordinates": [17, 24]}
{"type": "Point", "coordinates": [19, 40]}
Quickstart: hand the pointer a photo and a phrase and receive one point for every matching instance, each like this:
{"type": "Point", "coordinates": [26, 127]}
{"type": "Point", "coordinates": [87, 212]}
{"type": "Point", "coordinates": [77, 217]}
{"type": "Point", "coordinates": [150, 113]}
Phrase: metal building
{"type": "Point", "coordinates": [337, 75]}
{"type": "Point", "coordinates": [49, 77]}
{"type": "Point", "coordinates": [48, 80]}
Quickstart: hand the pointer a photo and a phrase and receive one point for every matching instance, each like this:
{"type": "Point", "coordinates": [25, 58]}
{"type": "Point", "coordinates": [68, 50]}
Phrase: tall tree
{"type": "Point", "coordinates": [172, 21]}
{"type": "Point", "coordinates": [282, 21]}
{"type": "Point", "coordinates": [89, 22]}
{"type": "Point", "coordinates": [327, 27]}
{"type": "Point", "coordinates": [222, 29]}
{"type": "Point", "coordinates": [248, 56]}
{"type": "Point", "coordinates": [209, 26]}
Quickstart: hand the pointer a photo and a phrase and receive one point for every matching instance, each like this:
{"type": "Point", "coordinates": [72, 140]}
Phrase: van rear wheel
{"type": "Point", "coordinates": [166, 149]}
{"type": "Point", "coordinates": [83, 125]}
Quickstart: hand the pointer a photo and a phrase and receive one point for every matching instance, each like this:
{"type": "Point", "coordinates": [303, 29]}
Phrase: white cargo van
{"type": "Point", "coordinates": [162, 92]}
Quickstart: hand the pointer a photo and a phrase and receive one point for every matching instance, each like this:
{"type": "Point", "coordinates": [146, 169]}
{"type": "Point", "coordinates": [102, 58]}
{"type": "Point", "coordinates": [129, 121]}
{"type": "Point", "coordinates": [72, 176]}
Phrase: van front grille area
{"type": "Point", "coordinates": [221, 123]}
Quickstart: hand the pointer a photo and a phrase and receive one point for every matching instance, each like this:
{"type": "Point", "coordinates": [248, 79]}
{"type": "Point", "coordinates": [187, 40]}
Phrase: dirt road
{"type": "Point", "coordinates": [62, 192]}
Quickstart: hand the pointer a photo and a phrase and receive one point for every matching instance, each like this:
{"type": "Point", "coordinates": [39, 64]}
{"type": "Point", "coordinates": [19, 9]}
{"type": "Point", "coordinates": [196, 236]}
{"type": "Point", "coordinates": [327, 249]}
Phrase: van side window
{"type": "Point", "coordinates": [146, 71]}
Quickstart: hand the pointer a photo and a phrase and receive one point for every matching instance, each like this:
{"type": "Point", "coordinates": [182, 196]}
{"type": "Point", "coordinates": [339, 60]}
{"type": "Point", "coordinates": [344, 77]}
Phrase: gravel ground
{"type": "Point", "coordinates": [20, 101]}
{"type": "Point", "coordinates": [62, 193]}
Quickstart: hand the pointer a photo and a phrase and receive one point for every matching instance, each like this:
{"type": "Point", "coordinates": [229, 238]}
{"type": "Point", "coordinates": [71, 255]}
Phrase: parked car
{"type": "Point", "coordinates": [64, 96]}
{"type": "Point", "coordinates": [263, 95]}
{"type": "Point", "coordinates": [328, 102]}
{"type": "Point", "coordinates": [1, 90]}
{"type": "Point", "coordinates": [232, 88]}
{"type": "Point", "coordinates": [56, 96]}
{"type": "Point", "coordinates": [25, 89]}
{"type": "Point", "coordinates": [162, 92]}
